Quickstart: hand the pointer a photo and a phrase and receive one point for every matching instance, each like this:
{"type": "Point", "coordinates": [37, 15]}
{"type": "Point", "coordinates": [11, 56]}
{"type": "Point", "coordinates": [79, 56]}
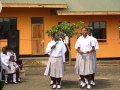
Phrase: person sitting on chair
{"type": "Point", "coordinates": [11, 52]}
{"type": "Point", "coordinates": [4, 63]}
{"type": "Point", "coordinates": [13, 69]}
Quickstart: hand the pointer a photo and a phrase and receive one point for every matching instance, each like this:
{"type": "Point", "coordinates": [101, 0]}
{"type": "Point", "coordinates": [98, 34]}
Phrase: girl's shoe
{"type": "Point", "coordinates": [54, 86]}
{"type": "Point", "coordinates": [88, 87]}
{"type": "Point", "coordinates": [15, 82]}
{"type": "Point", "coordinates": [58, 86]}
{"type": "Point", "coordinates": [51, 82]}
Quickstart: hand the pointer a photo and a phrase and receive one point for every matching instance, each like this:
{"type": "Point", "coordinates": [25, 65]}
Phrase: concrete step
{"type": "Point", "coordinates": [101, 70]}
{"type": "Point", "coordinates": [34, 61]}
{"type": "Point", "coordinates": [42, 61]}
{"type": "Point", "coordinates": [108, 62]}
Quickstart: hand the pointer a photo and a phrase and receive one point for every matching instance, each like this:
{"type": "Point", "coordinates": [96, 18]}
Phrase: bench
{"type": "Point", "coordinates": [22, 75]}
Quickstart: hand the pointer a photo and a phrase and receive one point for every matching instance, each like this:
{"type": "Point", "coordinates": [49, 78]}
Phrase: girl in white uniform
{"type": "Point", "coordinates": [13, 69]}
{"type": "Point", "coordinates": [84, 46]}
{"type": "Point", "coordinates": [11, 53]}
{"type": "Point", "coordinates": [51, 82]}
{"type": "Point", "coordinates": [55, 67]}
{"type": "Point", "coordinates": [5, 62]}
{"type": "Point", "coordinates": [94, 56]}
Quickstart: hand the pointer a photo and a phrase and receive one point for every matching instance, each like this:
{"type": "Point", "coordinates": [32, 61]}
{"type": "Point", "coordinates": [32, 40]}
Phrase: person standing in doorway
{"type": "Point", "coordinates": [84, 67]}
{"type": "Point", "coordinates": [55, 67]}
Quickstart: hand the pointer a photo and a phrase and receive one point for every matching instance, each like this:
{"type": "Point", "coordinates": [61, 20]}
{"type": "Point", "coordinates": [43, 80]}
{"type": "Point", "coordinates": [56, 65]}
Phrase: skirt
{"type": "Point", "coordinates": [4, 67]}
{"type": "Point", "coordinates": [94, 61]}
{"type": "Point", "coordinates": [84, 64]}
{"type": "Point", "coordinates": [13, 66]}
{"type": "Point", "coordinates": [55, 67]}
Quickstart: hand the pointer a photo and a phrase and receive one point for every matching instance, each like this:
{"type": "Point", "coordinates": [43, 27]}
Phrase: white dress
{"type": "Point", "coordinates": [13, 66]}
{"type": "Point", "coordinates": [94, 53]}
{"type": "Point", "coordinates": [84, 62]}
{"type": "Point", "coordinates": [55, 66]}
{"type": "Point", "coordinates": [5, 62]}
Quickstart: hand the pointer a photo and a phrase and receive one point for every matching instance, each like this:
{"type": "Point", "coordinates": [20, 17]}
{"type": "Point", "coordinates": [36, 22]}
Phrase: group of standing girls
{"type": "Point", "coordinates": [86, 46]}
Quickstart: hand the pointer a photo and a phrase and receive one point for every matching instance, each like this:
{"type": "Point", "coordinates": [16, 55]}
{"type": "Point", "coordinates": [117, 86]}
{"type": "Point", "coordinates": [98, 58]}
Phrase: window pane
{"type": "Point", "coordinates": [1, 19]}
{"type": "Point", "coordinates": [99, 34]}
{"type": "Point", "coordinates": [13, 20]}
{"type": "Point", "coordinates": [90, 24]}
{"type": "Point", "coordinates": [102, 25]}
{"type": "Point", "coordinates": [37, 20]}
{"type": "Point", "coordinates": [1, 27]}
{"type": "Point", "coordinates": [96, 25]}
{"type": "Point", "coordinates": [13, 27]}
{"type": "Point", "coordinates": [6, 20]}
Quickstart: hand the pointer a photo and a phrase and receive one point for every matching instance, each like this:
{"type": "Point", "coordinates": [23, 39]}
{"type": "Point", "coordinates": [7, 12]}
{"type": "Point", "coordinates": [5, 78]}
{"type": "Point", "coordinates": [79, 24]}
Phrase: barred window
{"type": "Point", "coordinates": [99, 30]}
{"type": "Point", "coordinates": [7, 24]}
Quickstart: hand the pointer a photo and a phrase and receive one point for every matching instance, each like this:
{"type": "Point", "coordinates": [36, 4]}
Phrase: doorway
{"type": "Point", "coordinates": [37, 36]}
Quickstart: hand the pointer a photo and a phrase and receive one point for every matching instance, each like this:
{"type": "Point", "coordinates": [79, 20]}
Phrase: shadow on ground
{"type": "Point", "coordinates": [66, 84]}
{"type": "Point", "coordinates": [100, 84]}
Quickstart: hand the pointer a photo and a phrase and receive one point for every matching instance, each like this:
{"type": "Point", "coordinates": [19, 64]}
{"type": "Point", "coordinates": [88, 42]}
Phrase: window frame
{"type": "Point", "coordinates": [3, 23]}
{"type": "Point", "coordinates": [104, 36]}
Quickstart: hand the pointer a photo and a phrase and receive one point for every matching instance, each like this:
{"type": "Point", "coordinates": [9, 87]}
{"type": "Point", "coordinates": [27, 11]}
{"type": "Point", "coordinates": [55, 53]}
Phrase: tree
{"type": "Point", "coordinates": [66, 30]}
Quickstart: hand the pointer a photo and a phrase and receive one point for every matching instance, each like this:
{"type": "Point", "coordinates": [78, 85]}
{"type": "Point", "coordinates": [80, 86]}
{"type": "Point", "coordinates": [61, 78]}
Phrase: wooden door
{"type": "Point", "coordinates": [37, 37]}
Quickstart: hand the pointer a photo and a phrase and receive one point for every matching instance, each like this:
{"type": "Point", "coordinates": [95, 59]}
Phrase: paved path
{"type": "Point", "coordinates": [107, 78]}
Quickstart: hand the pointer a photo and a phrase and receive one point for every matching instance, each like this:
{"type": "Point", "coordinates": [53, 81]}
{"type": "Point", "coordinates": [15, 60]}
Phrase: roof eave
{"type": "Point", "coordinates": [34, 5]}
{"type": "Point", "coordinates": [90, 13]}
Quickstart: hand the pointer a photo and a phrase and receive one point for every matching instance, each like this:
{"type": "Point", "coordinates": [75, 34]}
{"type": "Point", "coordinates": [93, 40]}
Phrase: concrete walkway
{"type": "Point", "coordinates": [107, 78]}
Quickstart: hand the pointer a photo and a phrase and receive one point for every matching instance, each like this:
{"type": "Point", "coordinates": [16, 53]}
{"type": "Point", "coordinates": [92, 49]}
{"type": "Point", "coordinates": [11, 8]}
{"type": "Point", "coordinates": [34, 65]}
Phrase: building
{"type": "Point", "coordinates": [28, 20]}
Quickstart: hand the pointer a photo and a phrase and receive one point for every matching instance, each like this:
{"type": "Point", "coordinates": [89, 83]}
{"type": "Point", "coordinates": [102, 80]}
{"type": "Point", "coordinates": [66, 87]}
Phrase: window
{"type": "Point", "coordinates": [37, 20]}
{"type": "Point", "coordinates": [99, 30]}
{"type": "Point", "coordinates": [7, 24]}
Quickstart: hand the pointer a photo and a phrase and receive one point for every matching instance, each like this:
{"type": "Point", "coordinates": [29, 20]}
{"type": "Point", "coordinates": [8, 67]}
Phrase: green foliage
{"type": "Point", "coordinates": [1, 84]}
{"type": "Point", "coordinates": [65, 28]}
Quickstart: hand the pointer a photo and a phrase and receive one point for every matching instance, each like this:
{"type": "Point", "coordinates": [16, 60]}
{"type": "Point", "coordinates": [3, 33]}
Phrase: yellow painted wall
{"type": "Point", "coordinates": [3, 43]}
{"type": "Point", "coordinates": [108, 49]}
